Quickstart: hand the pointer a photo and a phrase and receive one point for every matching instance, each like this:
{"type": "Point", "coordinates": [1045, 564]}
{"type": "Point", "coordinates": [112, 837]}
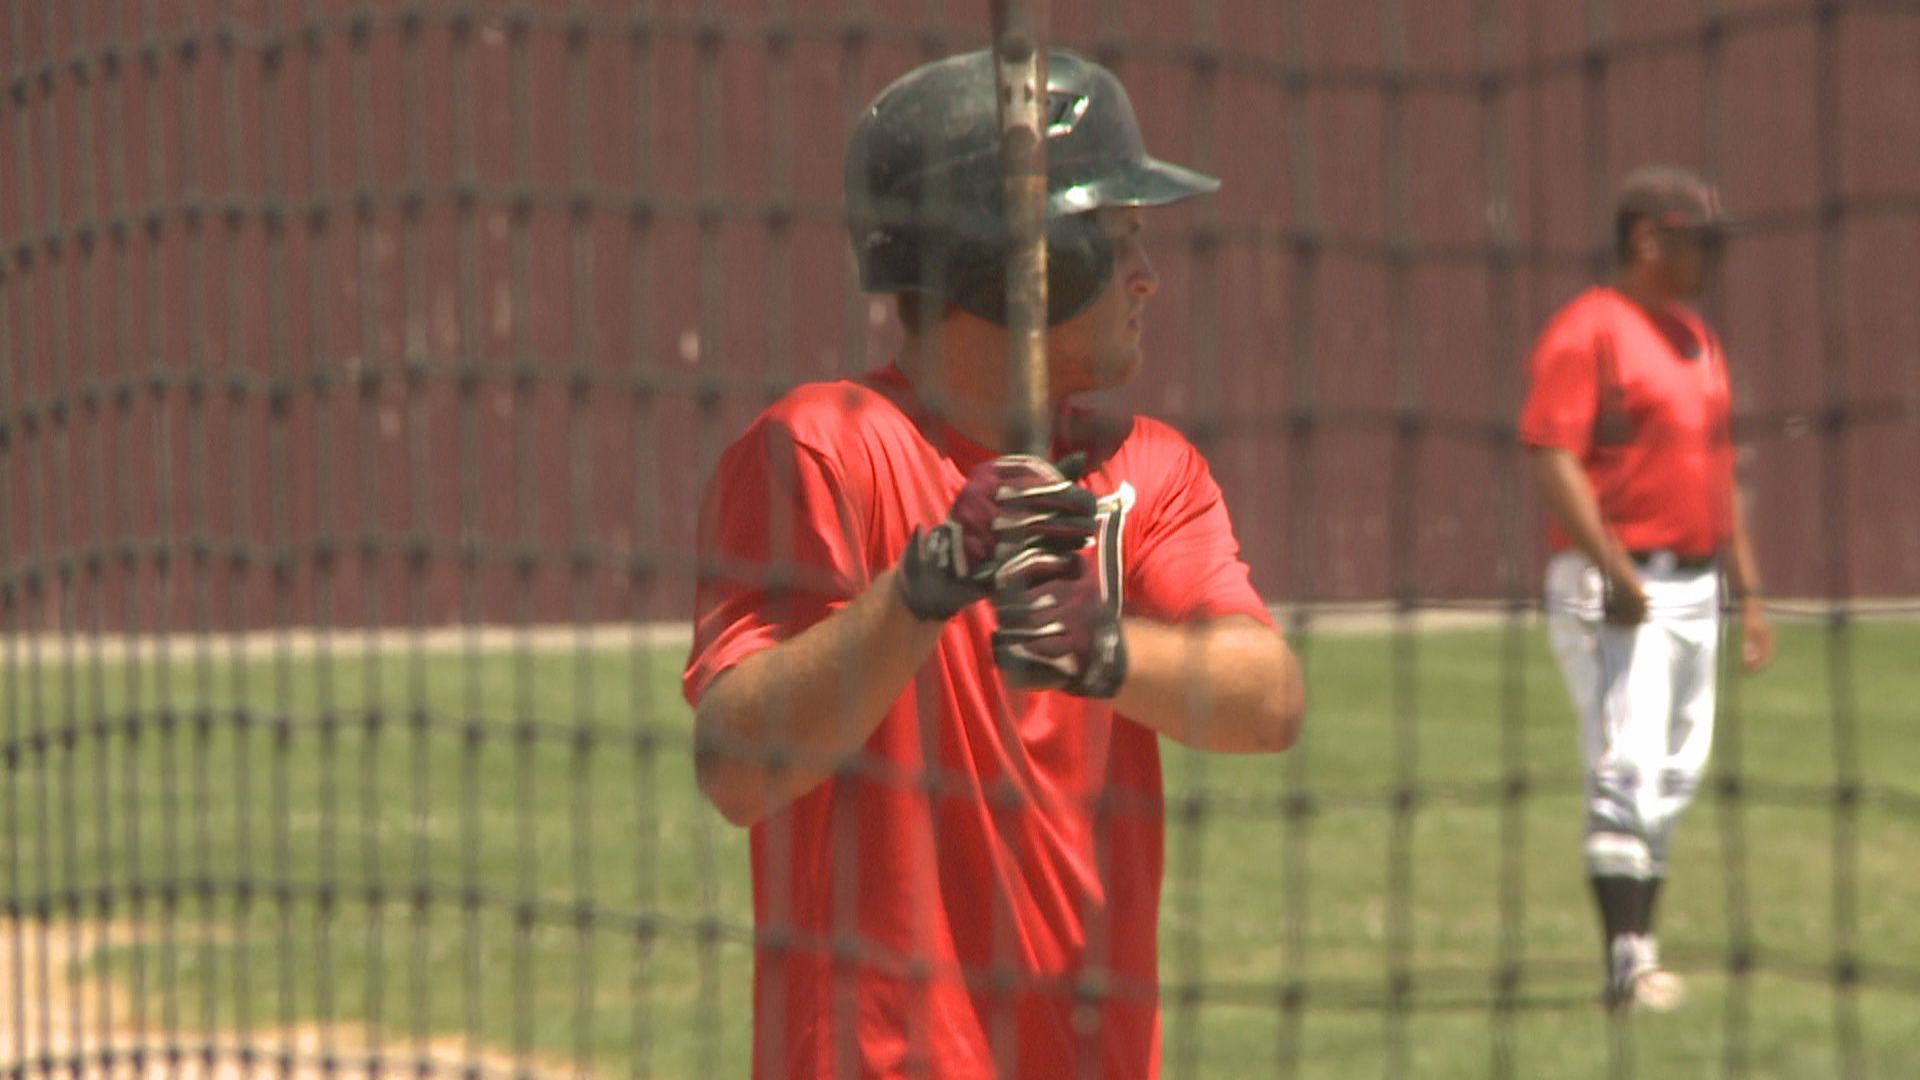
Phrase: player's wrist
{"type": "Point", "coordinates": [1106, 668]}
{"type": "Point", "coordinates": [1620, 570]}
{"type": "Point", "coordinates": [1612, 560]}
{"type": "Point", "coordinates": [925, 580]}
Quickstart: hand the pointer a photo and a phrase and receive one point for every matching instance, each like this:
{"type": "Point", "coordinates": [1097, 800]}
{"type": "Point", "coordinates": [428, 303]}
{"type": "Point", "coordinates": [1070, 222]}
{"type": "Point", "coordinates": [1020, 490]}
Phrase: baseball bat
{"type": "Point", "coordinates": [1020, 77]}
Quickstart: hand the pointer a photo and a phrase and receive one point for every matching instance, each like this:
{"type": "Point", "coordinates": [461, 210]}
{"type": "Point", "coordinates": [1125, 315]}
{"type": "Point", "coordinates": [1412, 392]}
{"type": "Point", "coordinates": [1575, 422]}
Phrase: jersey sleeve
{"type": "Point", "coordinates": [1186, 564]}
{"type": "Point", "coordinates": [1563, 393]}
{"type": "Point", "coordinates": [778, 550]}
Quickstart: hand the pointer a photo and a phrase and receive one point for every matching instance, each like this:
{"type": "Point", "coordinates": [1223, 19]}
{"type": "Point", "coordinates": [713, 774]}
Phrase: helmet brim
{"type": "Point", "coordinates": [1147, 181]}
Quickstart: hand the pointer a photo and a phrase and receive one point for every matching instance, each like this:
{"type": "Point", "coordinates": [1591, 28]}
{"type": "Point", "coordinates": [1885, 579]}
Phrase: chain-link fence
{"type": "Point", "coordinates": [361, 365]}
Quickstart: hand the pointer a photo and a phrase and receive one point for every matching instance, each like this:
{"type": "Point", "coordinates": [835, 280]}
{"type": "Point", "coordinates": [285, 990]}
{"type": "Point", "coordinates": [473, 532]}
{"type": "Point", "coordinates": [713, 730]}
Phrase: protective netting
{"type": "Point", "coordinates": [361, 365]}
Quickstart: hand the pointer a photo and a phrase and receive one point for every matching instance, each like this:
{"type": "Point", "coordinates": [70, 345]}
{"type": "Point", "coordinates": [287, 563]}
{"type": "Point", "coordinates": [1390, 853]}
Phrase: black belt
{"type": "Point", "coordinates": [1675, 560]}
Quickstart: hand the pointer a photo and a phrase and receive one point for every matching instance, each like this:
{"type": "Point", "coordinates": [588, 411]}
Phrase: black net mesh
{"type": "Point", "coordinates": [361, 365]}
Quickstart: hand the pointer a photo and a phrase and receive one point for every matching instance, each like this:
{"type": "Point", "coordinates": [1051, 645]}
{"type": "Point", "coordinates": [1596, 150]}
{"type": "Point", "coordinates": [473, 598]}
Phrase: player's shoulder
{"type": "Point", "coordinates": [821, 409]}
{"type": "Point", "coordinates": [1153, 437]}
{"type": "Point", "coordinates": [1596, 308]}
{"type": "Point", "coordinates": [1132, 443]}
{"type": "Point", "coordinates": [1578, 323]}
{"type": "Point", "coordinates": [1147, 451]}
{"type": "Point", "coordinates": [829, 417]}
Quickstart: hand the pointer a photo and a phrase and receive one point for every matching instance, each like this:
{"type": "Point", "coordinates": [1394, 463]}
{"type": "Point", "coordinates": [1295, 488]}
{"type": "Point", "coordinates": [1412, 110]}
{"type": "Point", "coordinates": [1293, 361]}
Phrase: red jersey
{"type": "Point", "coordinates": [993, 855]}
{"type": "Point", "coordinates": [1642, 400]}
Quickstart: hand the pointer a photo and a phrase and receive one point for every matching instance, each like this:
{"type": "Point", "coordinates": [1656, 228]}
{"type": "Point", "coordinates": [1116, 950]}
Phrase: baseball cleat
{"type": "Point", "coordinates": [1658, 990]}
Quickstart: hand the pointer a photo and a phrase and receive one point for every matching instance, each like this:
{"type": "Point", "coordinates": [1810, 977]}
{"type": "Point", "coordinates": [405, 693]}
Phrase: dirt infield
{"type": "Point", "coordinates": [56, 1022]}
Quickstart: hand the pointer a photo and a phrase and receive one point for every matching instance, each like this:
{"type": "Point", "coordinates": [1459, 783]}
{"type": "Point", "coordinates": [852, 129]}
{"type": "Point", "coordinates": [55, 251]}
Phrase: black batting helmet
{"type": "Point", "coordinates": [925, 187]}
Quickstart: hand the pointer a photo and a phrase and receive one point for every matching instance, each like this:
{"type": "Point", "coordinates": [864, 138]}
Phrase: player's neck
{"type": "Point", "coordinates": [963, 382]}
{"type": "Point", "coordinates": [1644, 287]}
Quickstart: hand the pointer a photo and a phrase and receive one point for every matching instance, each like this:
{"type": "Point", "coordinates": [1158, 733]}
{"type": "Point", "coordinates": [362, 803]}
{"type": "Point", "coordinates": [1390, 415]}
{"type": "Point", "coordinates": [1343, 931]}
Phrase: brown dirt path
{"type": "Point", "coordinates": [56, 1025]}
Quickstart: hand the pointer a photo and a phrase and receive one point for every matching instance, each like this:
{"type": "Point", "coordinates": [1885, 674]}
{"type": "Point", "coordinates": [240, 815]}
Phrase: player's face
{"type": "Point", "coordinates": [1690, 256]}
{"type": "Point", "coordinates": [1100, 347]}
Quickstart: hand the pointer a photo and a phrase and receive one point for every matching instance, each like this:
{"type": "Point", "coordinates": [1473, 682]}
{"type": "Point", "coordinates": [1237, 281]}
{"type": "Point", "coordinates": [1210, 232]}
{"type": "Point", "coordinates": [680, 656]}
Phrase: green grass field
{"type": "Point", "coordinates": [378, 839]}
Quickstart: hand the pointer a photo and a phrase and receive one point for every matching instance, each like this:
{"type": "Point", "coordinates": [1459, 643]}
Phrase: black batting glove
{"type": "Point", "coordinates": [1060, 634]}
{"type": "Point", "coordinates": [1018, 521]}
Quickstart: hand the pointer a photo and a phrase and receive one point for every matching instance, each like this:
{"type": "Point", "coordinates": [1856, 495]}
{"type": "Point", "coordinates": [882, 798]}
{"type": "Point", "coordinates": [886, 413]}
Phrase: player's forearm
{"type": "Point", "coordinates": [1745, 569]}
{"type": "Point", "coordinates": [1231, 685]}
{"type": "Point", "coordinates": [1569, 498]}
{"type": "Point", "coordinates": [780, 721]}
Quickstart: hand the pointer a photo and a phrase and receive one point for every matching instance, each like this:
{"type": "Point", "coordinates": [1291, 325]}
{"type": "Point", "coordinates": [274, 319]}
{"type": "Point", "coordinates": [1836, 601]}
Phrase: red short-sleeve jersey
{"type": "Point", "coordinates": [994, 855]}
{"type": "Point", "coordinates": [1642, 400]}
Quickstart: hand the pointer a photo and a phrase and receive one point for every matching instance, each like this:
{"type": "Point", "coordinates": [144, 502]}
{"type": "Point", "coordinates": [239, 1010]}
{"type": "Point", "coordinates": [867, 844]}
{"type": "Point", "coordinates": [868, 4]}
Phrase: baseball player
{"type": "Point", "coordinates": [930, 675]}
{"type": "Point", "coordinates": [1628, 420]}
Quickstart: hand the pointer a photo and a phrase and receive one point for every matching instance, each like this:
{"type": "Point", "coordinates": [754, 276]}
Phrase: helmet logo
{"type": "Point", "coordinates": [1064, 110]}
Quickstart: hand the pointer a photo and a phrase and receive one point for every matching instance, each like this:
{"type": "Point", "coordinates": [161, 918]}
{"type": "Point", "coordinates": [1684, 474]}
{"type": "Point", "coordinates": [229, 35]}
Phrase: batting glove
{"type": "Point", "coordinates": [1018, 521]}
{"type": "Point", "coordinates": [1061, 634]}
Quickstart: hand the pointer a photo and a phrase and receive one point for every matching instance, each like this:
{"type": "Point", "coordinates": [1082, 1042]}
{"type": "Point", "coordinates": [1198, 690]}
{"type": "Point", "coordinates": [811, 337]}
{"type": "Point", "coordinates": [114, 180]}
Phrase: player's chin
{"type": "Point", "coordinates": [1119, 367]}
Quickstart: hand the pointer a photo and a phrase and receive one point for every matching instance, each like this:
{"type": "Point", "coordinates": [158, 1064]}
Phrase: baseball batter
{"type": "Point", "coordinates": [1628, 418]}
{"type": "Point", "coordinates": [931, 676]}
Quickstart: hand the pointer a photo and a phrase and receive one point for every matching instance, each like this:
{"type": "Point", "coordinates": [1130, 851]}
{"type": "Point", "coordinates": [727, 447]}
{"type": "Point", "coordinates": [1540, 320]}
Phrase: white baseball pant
{"type": "Point", "coordinates": [1645, 695]}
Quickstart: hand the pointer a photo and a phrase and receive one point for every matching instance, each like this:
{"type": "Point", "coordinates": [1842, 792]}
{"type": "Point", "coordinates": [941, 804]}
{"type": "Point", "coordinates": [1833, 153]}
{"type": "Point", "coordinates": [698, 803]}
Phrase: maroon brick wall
{"type": "Point", "coordinates": [392, 315]}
